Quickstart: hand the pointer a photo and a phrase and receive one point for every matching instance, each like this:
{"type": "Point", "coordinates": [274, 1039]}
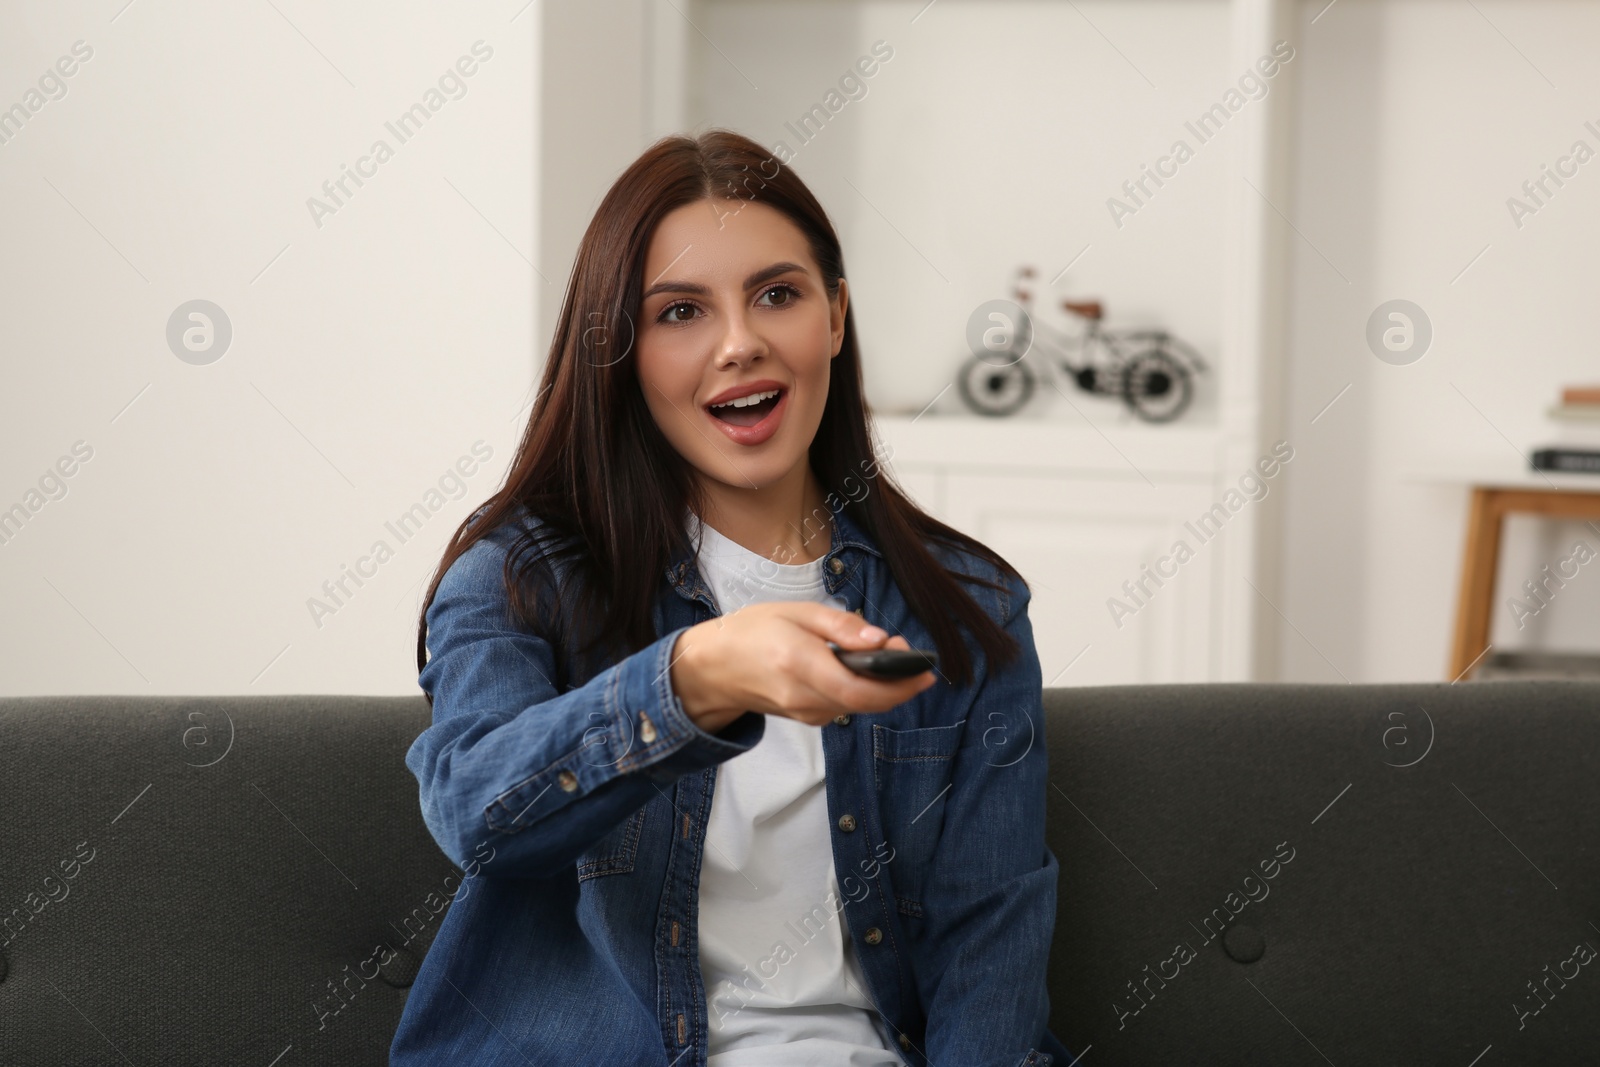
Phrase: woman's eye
{"type": "Point", "coordinates": [670, 312]}
{"type": "Point", "coordinates": [786, 294]}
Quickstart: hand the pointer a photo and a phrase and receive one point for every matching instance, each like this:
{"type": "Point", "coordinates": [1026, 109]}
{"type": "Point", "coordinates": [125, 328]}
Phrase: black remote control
{"type": "Point", "coordinates": [887, 663]}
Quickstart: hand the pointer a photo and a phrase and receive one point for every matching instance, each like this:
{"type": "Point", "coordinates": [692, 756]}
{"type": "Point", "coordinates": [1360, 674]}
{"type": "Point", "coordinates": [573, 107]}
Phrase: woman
{"type": "Point", "coordinates": [691, 835]}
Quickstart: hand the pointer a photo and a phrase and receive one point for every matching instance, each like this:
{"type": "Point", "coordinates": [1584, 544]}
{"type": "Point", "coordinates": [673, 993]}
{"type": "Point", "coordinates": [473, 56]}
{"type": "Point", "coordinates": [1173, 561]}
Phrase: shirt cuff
{"type": "Point", "coordinates": [645, 696]}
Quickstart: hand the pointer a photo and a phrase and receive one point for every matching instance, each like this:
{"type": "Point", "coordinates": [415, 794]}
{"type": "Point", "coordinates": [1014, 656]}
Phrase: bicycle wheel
{"type": "Point", "coordinates": [994, 391]}
{"type": "Point", "coordinates": [1156, 386]}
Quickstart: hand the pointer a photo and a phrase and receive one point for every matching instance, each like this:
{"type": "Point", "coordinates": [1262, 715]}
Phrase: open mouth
{"type": "Point", "coordinates": [747, 410]}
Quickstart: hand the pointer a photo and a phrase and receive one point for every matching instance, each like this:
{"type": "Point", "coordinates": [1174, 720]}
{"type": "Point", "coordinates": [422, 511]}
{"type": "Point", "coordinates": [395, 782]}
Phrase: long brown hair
{"type": "Point", "coordinates": [609, 489]}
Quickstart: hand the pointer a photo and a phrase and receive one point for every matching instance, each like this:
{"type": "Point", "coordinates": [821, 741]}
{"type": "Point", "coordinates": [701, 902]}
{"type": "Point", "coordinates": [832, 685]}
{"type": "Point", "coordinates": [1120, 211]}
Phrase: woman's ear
{"type": "Point", "coordinates": [837, 306]}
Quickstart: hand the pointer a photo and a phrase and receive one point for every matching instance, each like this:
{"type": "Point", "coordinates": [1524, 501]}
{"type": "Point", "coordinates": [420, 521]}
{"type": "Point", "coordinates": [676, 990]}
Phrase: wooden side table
{"type": "Point", "coordinates": [1481, 561]}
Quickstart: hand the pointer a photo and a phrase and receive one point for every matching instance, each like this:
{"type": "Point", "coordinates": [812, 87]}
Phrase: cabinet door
{"type": "Point", "coordinates": [1077, 541]}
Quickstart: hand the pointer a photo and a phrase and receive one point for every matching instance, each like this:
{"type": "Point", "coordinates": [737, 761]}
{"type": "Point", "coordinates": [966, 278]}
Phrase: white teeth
{"type": "Point", "coordinates": [746, 401]}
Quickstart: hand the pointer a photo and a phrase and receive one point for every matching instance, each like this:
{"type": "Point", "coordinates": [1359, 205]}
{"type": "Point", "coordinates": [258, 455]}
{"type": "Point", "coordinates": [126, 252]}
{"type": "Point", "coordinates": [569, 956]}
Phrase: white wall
{"type": "Point", "coordinates": [1418, 119]}
{"type": "Point", "coordinates": [369, 353]}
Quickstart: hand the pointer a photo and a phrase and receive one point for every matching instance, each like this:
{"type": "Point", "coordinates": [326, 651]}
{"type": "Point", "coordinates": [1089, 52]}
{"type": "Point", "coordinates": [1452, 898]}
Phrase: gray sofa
{"type": "Point", "coordinates": [1275, 875]}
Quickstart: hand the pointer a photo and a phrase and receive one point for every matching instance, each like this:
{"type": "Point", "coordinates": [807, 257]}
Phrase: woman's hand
{"type": "Point", "coordinates": [773, 658]}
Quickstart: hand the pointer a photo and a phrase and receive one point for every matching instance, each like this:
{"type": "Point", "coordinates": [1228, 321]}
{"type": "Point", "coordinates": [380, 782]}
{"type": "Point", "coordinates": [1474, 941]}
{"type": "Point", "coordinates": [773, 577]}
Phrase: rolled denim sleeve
{"type": "Point", "coordinates": [538, 774]}
{"type": "Point", "coordinates": [991, 897]}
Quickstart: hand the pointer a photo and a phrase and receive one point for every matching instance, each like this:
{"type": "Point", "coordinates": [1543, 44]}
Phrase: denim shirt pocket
{"type": "Point", "coordinates": [911, 770]}
{"type": "Point", "coordinates": [615, 852]}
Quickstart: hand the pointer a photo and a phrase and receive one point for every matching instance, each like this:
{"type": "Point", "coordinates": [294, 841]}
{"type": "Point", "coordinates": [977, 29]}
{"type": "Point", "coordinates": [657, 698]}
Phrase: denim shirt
{"type": "Point", "coordinates": [577, 809]}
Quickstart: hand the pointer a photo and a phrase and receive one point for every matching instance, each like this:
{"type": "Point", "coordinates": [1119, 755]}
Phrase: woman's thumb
{"type": "Point", "coordinates": [843, 628]}
{"type": "Point", "coordinates": [851, 631]}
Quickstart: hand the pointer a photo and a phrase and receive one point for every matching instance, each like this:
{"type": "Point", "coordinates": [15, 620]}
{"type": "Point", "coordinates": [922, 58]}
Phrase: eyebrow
{"type": "Point", "coordinates": [762, 275]}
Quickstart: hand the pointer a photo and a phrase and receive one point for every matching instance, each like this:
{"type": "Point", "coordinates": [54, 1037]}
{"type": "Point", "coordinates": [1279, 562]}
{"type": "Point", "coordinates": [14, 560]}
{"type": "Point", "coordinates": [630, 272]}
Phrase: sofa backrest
{"type": "Point", "coordinates": [200, 881]}
{"type": "Point", "coordinates": [1273, 874]}
{"type": "Point", "coordinates": [1389, 874]}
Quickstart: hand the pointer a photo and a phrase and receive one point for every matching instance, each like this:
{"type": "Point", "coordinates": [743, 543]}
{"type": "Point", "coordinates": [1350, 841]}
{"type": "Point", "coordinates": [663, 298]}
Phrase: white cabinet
{"type": "Point", "coordinates": [1077, 541]}
{"type": "Point", "coordinates": [1088, 536]}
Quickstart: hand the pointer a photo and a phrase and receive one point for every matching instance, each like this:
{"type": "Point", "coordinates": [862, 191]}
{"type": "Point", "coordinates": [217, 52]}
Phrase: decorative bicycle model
{"type": "Point", "coordinates": [1151, 370]}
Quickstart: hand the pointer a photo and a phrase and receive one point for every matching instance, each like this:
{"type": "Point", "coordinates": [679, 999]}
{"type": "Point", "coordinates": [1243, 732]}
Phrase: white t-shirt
{"type": "Point", "coordinates": [780, 991]}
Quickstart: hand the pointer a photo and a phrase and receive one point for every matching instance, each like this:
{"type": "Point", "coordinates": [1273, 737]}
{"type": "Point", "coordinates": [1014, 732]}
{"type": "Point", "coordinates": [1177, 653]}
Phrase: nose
{"type": "Point", "coordinates": [741, 344]}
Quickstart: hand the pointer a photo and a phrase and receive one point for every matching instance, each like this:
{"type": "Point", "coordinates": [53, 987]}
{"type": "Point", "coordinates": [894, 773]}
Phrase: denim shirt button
{"type": "Point", "coordinates": [905, 1041]}
{"type": "Point", "coordinates": [836, 565]}
{"type": "Point", "coordinates": [847, 823]}
{"type": "Point", "coordinates": [872, 936]}
{"type": "Point", "coordinates": [567, 780]}
{"type": "Point", "coordinates": [841, 720]}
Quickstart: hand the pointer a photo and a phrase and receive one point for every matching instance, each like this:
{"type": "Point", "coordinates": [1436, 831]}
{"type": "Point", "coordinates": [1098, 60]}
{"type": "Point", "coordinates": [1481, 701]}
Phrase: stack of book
{"type": "Point", "coordinates": [1579, 410]}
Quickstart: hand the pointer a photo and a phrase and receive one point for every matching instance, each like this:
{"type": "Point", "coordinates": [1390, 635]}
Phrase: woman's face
{"type": "Point", "coordinates": [735, 310]}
